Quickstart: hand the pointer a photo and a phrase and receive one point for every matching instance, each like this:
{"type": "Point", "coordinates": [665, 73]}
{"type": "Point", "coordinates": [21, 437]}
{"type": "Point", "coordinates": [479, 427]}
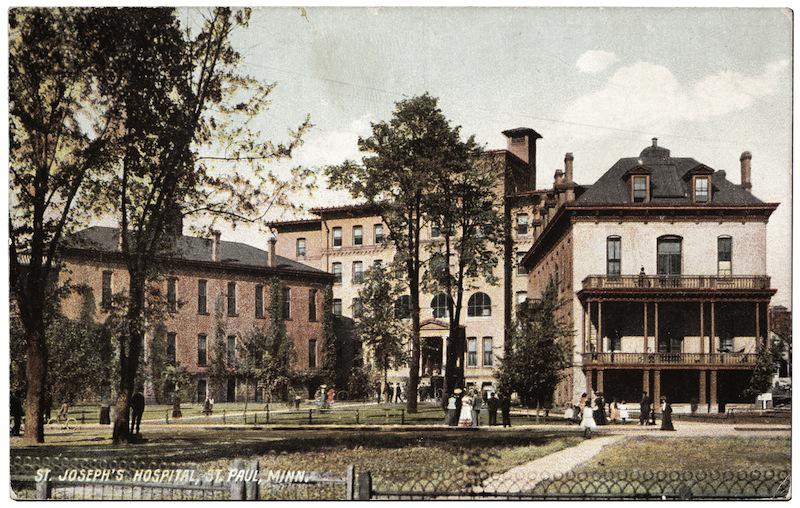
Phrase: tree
{"type": "Point", "coordinates": [158, 362]}
{"type": "Point", "coordinates": [539, 354]}
{"type": "Point", "coordinates": [177, 379]}
{"type": "Point", "coordinates": [60, 129]}
{"type": "Point", "coordinates": [767, 361]}
{"type": "Point", "coordinates": [276, 365]}
{"type": "Point", "coordinates": [402, 154]}
{"type": "Point", "coordinates": [377, 327]}
{"type": "Point", "coordinates": [218, 369]}
{"type": "Point", "coordinates": [331, 347]}
{"type": "Point", "coordinates": [463, 204]}
{"type": "Point", "coordinates": [183, 101]}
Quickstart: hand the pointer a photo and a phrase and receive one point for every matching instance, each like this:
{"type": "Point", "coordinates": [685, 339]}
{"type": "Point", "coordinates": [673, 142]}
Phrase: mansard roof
{"type": "Point", "coordinates": [670, 182]}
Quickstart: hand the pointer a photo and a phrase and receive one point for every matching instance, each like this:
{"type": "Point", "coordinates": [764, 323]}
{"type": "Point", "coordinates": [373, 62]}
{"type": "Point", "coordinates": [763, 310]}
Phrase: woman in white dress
{"type": "Point", "coordinates": [623, 412]}
{"type": "Point", "coordinates": [588, 422]}
{"type": "Point", "coordinates": [465, 419]}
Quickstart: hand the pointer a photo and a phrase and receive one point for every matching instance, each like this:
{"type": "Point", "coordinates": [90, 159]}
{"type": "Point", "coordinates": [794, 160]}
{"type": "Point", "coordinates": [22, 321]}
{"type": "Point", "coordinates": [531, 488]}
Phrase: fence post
{"type": "Point", "coordinates": [83, 417]}
{"type": "Point", "coordinates": [267, 413]}
{"type": "Point", "coordinates": [350, 492]}
{"type": "Point", "coordinates": [403, 416]}
{"type": "Point", "coordinates": [166, 417]}
{"type": "Point", "coordinates": [237, 492]}
{"type": "Point", "coordinates": [223, 416]}
{"type": "Point", "coordinates": [386, 420]}
{"type": "Point", "coordinates": [357, 417]}
{"type": "Point", "coordinates": [252, 490]}
{"type": "Point", "coordinates": [44, 488]}
{"type": "Point", "coordinates": [309, 416]}
{"type": "Point", "coordinates": [364, 491]}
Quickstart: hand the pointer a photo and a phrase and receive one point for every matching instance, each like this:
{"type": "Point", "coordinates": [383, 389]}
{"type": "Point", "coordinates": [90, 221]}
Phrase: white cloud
{"type": "Point", "coordinates": [646, 96]}
{"type": "Point", "coordinates": [595, 60]}
{"type": "Point", "coordinates": [325, 147]}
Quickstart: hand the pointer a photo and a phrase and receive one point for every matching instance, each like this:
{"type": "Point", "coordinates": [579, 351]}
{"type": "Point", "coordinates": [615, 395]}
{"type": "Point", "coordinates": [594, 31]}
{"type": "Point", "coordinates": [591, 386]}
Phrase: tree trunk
{"type": "Point", "coordinates": [129, 362]}
{"type": "Point", "coordinates": [413, 373]}
{"type": "Point", "coordinates": [36, 377]}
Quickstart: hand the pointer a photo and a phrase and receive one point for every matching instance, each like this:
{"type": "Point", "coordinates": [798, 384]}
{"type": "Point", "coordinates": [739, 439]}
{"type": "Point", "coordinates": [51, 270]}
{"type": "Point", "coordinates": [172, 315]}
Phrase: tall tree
{"type": "Point", "coordinates": [767, 362]}
{"type": "Point", "coordinates": [218, 368]}
{"type": "Point", "coordinates": [60, 128]}
{"type": "Point", "coordinates": [187, 148]}
{"type": "Point", "coordinates": [277, 364]}
{"type": "Point", "coordinates": [464, 205]}
{"type": "Point", "coordinates": [377, 327]}
{"type": "Point", "coordinates": [539, 354]}
{"type": "Point", "coordinates": [402, 155]}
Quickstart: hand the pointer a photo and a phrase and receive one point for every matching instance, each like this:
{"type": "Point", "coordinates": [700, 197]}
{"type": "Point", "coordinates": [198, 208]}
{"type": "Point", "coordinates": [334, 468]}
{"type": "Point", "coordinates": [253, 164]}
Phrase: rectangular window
{"type": "Point", "coordinates": [724, 256]}
{"type": "Point", "coordinates": [259, 301]}
{"type": "Point", "coordinates": [613, 256]}
{"type": "Point", "coordinates": [358, 235]}
{"type": "Point", "coordinates": [201, 350]}
{"type": "Point", "coordinates": [202, 300]}
{"type": "Point", "coordinates": [287, 303]}
{"type": "Point", "coordinates": [639, 188]}
{"type": "Point", "coordinates": [488, 355]}
{"type": "Point", "coordinates": [378, 234]}
{"type": "Point", "coordinates": [231, 298]}
{"type": "Point", "coordinates": [337, 307]}
{"type": "Point", "coordinates": [358, 308]}
{"type": "Point", "coordinates": [358, 272]}
{"type": "Point", "coordinates": [107, 292]}
{"type": "Point", "coordinates": [312, 304]}
{"type": "Point", "coordinates": [521, 270]}
{"type": "Point", "coordinates": [337, 237]}
{"type": "Point", "coordinates": [472, 352]}
{"type": "Point", "coordinates": [312, 353]}
{"type": "Point", "coordinates": [172, 294]}
{"type": "Point", "coordinates": [301, 248]}
{"type": "Point", "coordinates": [522, 224]}
{"type": "Point", "coordinates": [231, 349]}
{"type": "Point", "coordinates": [701, 189]}
{"type": "Point", "coordinates": [171, 354]}
{"type": "Point", "coordinates": [337, 273]}
{"type": "Point", "coordinates": [436, 231]}
{"type": "Point", "coordinates": [202, 390]}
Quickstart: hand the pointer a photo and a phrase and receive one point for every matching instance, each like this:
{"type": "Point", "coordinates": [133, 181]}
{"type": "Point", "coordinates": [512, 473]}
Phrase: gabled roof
{"type": "Point", "coordinates": [668, 181]}
{"type": "Point", "coordinates": [189, 248]}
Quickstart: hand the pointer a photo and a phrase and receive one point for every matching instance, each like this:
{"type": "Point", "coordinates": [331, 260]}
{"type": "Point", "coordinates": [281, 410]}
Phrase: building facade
{"type": "Point", "coordinates": [661, 268]}
{"type": "Point", "coordinates": [205, 276]}
{"type": "Point", "coordinates": [346, 240]}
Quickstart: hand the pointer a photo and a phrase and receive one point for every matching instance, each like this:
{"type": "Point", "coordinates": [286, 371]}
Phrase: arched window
{"type": "Point", "coordinates": [479, 304]}
{"type": "Point", "coordinates": [669, 255]}
{"type": "Point", "coordinates": [439, 305]}
{"type": "Point", "coordinates": [402, 307]}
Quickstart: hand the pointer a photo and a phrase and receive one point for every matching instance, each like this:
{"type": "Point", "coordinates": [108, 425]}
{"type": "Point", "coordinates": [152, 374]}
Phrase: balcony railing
{"type": "Point", "coordinates": [676, 282]}
{"type": "Point", "coordinates": [669, 359]}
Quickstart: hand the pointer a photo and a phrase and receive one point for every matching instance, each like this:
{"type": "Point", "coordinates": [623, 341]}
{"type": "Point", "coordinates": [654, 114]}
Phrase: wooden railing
{"type": "Point", "coordinates": [676, 282]}
{"type": "Point", "coordinates": [669, 358]}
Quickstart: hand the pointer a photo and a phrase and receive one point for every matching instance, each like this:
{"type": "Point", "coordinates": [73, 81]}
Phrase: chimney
{"type": "Point", "coordinates": [522, 143]}
{"type": "Point", "coordinates": [568, 158]}
{"type": "Point", "coordinates": [655, 142]}
{"type": "Point", "coordinates": [744, 160]}
{"type": "Point", "coordinates": [271, 241]}
{"type": "Point", "coordinates": [558, 178]}
{"type": "Point", "coordinates": [215, 244]}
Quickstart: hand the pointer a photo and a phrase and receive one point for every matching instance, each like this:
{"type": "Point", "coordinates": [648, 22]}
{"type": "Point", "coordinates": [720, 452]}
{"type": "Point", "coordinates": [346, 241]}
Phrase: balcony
{"type": "Point", "coordinates": [680, 282]}
{"type": "Point", "coordinates": [620, 360]}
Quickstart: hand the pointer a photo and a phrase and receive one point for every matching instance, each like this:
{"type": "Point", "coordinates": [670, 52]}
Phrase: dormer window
{"type": "Point", "coordinates": [702, 192]}
{"type": "Point", "coordinates": [640, 188]}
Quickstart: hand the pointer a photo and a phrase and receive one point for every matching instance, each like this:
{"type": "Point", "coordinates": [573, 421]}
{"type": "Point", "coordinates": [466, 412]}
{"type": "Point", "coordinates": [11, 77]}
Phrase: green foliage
{"type": "Point", "coordinates": [178, 381]}
{"type": "Point", "coordinates": [539, 352]}
{"type": "Point", "coordinates": [331, 344]}
{"type": "Point", "coordinates": [218, 369]}
{"type": "Point", "coordinates": [767, 361]}
{"type": "Point", "coordinates": [158, 362]}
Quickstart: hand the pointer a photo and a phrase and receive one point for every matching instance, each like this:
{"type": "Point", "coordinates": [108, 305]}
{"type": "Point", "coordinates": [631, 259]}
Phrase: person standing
{"type": "Point", "coordinates": [137, 410]}
{"type": "Point", "coordinates": [493, 404]}
{"type": "Point", "coordinates": [644, 409]}
{"type": "Point", "coordinates": [666, 415]}
{"type": "Point", "coordinates": [477, 403]}
{"type": "Point", "coordinates": [614, 411]}
{"type": "Point", "coordinates": [505, 409]}
{"type": "Point", "coordinates": [587, 421]}
{"type": "Point", "coordinates": [16, 412]}
{"type": "Point", "coordinates": [450, 420]}
{"type": "Point", "coordinates": [465, 418]}
{"type": "Point", "coordinates": [623, 412]}
{"type": "Point", "coordinates": [600, 410]}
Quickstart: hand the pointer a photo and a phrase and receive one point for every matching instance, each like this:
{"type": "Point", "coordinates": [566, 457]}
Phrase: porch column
{"type": "Point", "coordinates": [600, 380]}
{"type": "Point", "coordinates": [701, 400]}
{"type": "Point", "coordinates": [600, 326]}
{"type": "Point", "coordinates": [713, 338]}
{"type": "Point", "coordinates": [444, 354]}
{"type": "Point", "coordinates": [712, 388]}
{"type": "Point", "coordinates": [657, 390]}
{"type": "Point", "coordinates": [646, 381]}
{"type": "Point", "coordinates": [583, 331]}
{"type": "Point", "coordinates": [702, 330]}
{"type": "Point", "coordinates": [758, 327]}
{"type": "Point", "coordinates": [655, 332]}
{"type": "Point", "coordinates": [588, 381]}
{"type": "Point", "coordinates": [644, 346]}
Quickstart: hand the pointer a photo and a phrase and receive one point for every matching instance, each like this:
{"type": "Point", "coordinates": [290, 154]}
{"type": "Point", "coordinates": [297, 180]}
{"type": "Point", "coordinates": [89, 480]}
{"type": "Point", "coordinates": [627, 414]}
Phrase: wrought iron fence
{"type": "Point", "coordinates": [603, 485]}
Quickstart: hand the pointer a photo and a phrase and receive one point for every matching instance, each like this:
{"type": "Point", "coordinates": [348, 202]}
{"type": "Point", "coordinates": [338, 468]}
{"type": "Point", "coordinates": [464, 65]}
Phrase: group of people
{"type": "Point", "coordinates": [590, 412]}
{"type": "Point", "coordinates": [324, 397]}
{"type": "Point", "coordinates": [464, 409]}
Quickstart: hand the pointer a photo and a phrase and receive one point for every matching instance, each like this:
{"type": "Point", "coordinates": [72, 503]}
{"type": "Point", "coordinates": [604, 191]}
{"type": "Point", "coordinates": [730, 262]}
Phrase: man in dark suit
{"type": "Point", "coordinates": [644, 409]}
{"type": "Point", "coordinates": [505, 409]}
{"type": "Point", "coordinates": [137, 410]}
{"type": "Point", "coordinates": [493, 404]}
{"type": "Point", "coordinates": [16, 412]}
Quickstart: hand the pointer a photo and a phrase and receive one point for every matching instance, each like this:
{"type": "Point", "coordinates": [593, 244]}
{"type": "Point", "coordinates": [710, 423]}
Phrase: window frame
{"type": "Point", "coordinates": [479, 309]}
{"type": "Point", "coordinates": [300, 248]}
{"type": "Point", "coordinates": [523, 227]}
{"type": "Point", "coordinates": [695, 181]}
{"type": "Point", "coordinates": [202, 354]}
{"type": "Point", "coordinates": [337, 275]}
{"type": "Point", "coordinates": [435, 308]}
{"type": "Point", "coordinates": [287, 303]}
{"type": "Point", "coordinates": [107, 289]}
{"type": "Point", "coordinates": [720, 270]}
{"type": "Point", "coordinates": [336, 237]}
{"type": "Point", "coordinates": [521, 270]}
{"type": "Point", "coordinates": [358, 239]}
{"type": "Point", "coordinates": [202, 296]}
{"type": "Point", "coordinates": [336, 307]}
{"type": "Point", "coordinates": [312, 304]}
{"type": "Point", "coordinates": [472, 353]}
{"type": "Point", "coordinates": [230, 353]}
{"type": "Point", "coordinates": [398, 305]}
{"type": "Point", "coordinates": [378, 239]}
{"type": "Point", "coordinates": [664, 240]}
{"type": "Point", "coordinates": [312, 354]}
{"type": "Point", "coordinates": [646, 197]}
{"type": "Point", "coordinates": [231, 298]}
{"type": "Point", "coordinates": [487, 354]}
{"type": "Point", "coordinates": [172, 348]}
{"type": "Point", "coordinates": [259, 301]}
{"type": "Point", "coordinates": [358, 276]}
{"type": "Point", "coordinates": [617, 262]}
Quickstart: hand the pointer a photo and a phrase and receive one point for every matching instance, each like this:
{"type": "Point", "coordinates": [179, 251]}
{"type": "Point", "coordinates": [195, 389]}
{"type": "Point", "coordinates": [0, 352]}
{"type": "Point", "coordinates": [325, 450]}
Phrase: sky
{"type": "Point", "coordinates": [709, 83]}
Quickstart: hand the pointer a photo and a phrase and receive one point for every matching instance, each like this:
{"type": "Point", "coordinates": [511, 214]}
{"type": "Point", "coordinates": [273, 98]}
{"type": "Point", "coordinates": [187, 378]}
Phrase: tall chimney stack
{"type": "Point", "coordinates": [568, 158]}
{"type": "Point", "coordinates": [215, 244]}
{"type": "Point", "coordinates": [522, 143]}
{"type": "Point", "coordinates": [271, 241]}
{"type": "Point", "coordinates": [744, 161]}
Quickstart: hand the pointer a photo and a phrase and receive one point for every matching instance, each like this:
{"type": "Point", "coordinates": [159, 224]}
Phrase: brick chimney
{"type": "Point", "coordinates": [522, 143]}
{"type": "Point", "coordinates": [271, 241]}
{"type": "Point", "coordinates": [744, 161]}
{"type": "Point", "coordinates": [215, 245]}
{"type": "Point", "coordinates": [568, 158]}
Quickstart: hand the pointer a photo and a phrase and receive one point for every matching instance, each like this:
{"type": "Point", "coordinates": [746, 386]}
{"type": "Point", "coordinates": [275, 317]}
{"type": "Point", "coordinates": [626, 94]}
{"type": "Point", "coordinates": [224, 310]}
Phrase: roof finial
{"type": "Point", "coordinates": [655, 142]}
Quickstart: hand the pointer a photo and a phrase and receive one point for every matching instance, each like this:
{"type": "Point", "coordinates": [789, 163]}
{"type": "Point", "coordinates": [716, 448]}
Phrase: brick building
{"type": "Point", "coordinates": [202, 274]}
{"type": "Point", "coordinates": [678, 304]}
{"type": "Point", "coordinates": [346, 240]}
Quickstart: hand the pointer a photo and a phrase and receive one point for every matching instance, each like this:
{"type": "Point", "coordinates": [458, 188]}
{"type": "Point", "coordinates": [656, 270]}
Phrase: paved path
{"type": "Point", "coordinates": [523, 478]}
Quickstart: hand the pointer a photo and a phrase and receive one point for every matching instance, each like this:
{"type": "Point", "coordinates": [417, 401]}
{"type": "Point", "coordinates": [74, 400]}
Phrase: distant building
{"type": "Point", "coordinates": [661, 264]}
{"type": "Point", "coordinates": [200, 275]}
